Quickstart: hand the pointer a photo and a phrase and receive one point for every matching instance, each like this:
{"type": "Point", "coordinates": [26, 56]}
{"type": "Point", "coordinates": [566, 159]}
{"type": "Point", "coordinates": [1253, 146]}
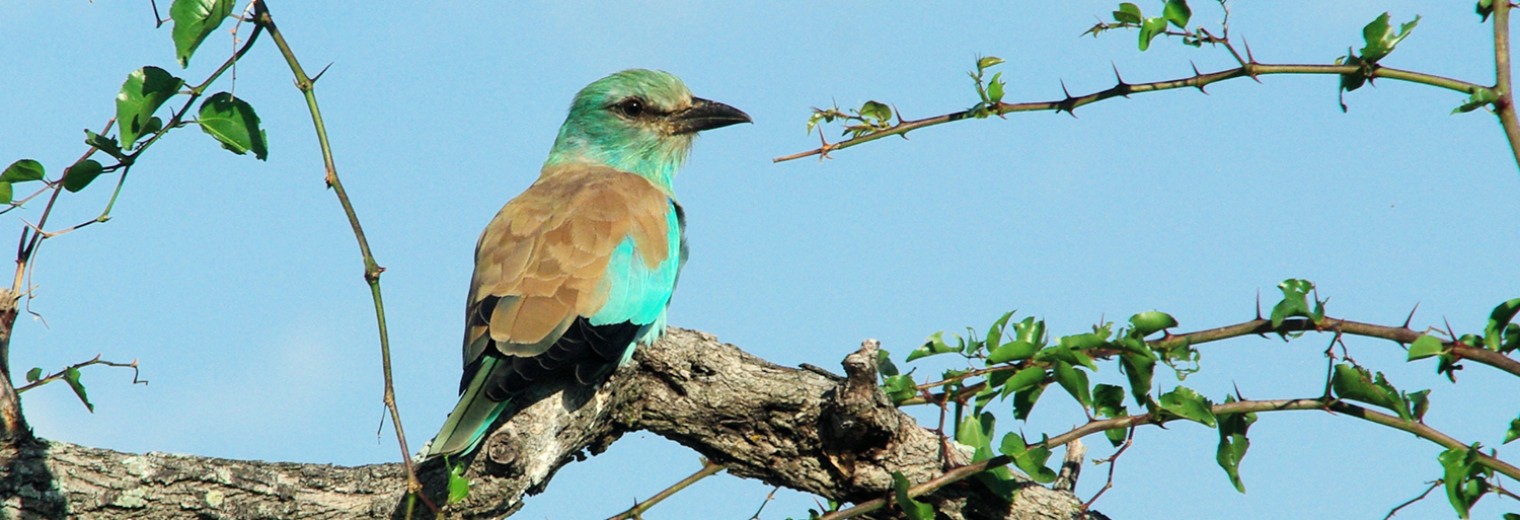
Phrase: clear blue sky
{"type": "Point", "coordinates": [237, 285]}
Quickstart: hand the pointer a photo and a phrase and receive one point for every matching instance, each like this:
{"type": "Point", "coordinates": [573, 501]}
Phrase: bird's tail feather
{"type": "Point", "coordinates": [471, 418]}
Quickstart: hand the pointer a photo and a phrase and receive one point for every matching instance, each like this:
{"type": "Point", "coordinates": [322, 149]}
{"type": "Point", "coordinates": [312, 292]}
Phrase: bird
{"type": "Point", "coordinates": [577, 271]}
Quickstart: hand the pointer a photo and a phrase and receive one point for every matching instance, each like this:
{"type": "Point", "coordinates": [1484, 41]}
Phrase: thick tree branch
{"type": "Point", "coordinates": [785, 426]}
{"type": "Point", "coordinates": [13, 426]}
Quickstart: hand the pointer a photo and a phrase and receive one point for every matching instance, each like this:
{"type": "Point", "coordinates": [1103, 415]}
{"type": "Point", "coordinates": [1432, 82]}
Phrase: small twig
{"type": "Point", "coordinates": [94, 361]}
{"type": "Point", "coordinates": [1112, 461]}
{"type": "Point", "coordinates": [17, 203]}
{"type": "Point", "coordinates": [1225, 41]}
{"type": "Point", "coordinates": [1330, 362]}
{"type": "Point", "coordinates": [944, 441]}
{"type": "Point", "coordinates": [709, 468]}
{"type": "Point", "coordinates": [158, 21]}
{"type": "Point", "coordinates": [768, 498]}
{"type": "Point", "coordinates": [1407, 503]}
{"type": "Point", "coordinates": [1498, 487]}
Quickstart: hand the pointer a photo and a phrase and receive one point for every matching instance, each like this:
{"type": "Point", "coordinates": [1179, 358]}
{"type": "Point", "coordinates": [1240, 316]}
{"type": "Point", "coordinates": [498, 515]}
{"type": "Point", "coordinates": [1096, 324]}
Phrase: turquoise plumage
{"type": "Point", "coordinates": [574, 273]}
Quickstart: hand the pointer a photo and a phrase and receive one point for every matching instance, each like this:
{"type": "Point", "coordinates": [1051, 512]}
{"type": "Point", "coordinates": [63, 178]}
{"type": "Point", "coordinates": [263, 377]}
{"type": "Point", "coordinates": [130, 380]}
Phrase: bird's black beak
{"type": "Point", "coordinates": [707, 115]}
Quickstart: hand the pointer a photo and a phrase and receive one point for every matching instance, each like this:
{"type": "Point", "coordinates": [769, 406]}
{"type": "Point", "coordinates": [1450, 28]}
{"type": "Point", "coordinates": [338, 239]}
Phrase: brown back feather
{"type": "Point", "coordinates": [539, 264]}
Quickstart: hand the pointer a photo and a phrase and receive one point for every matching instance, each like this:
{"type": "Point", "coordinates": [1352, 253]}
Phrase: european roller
{"type": "Point", "coordinates": [576, 272]}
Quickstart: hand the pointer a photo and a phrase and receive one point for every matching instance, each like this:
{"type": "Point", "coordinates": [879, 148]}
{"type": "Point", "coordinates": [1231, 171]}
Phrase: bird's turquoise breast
{"type": "Point", "coordinates": [637, 293]}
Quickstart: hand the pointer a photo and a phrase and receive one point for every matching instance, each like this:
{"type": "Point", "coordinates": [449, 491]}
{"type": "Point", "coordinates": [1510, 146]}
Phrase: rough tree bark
{"type": "Point", "coordinates": [803, 429]}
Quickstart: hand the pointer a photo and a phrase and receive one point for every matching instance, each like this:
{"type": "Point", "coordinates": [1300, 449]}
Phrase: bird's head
{"type": "Point", "coordinates": [639, 121]}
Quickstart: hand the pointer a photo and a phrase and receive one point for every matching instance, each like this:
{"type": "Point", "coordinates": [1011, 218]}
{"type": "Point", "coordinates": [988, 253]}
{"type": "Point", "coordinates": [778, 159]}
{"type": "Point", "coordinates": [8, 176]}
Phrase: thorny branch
{"type": "Point", "coordinates": [1199, 80]}
{"type": "Point", "coordinates": [1402, 335]}
{"type": "Point", "coordinates": [307, 85]}
{"type": "Point", "coordinates": [709, 468]}
{"type": "Point", "coordinates": [1238, 407]}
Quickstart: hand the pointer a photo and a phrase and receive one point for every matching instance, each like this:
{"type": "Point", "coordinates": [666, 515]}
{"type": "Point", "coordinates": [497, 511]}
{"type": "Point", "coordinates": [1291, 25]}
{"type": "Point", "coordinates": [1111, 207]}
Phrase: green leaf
{"type": "Point", "coordinates": [233, 122]}
{"type": "Point", "coordinates": [1419, 403]}
{"type": "Point", "coordinates": [1462, 477]}
{"type": "Point", "coordinates": [1479, 98]}
{"type": "Point", "coordinates": [145, 90]}
{"type": "Point", "coordinates": [914, 509]}
{"type": "Point", "coordinates": [1357, 384]}
{"type": "Point", "coordinates": [6, 193]}
{"type": "Point", "coordinates": [899, 388]}
{"type": "Point", "coordinates": [977, 433]}
{"type": "Point", "coordinates": [1177, 12]}
{"type": "Point", "coordinates": [1012, 351]}
{"type": "Point", "coordinates": [1074, 381]}
{"type": "Point", "coordinates": [1084, 340]}
{"type": "Point", "coordinates": [25, 170]}
{"type": "Point", "coordinates": [1029, 459]}
{"type": "Point", "coordinates": [1030, 330]}
{"type": "Point", "coordinates": [1149, 30]}
{"type": "Point", "coordinates": [1381, 39]}
{"type": "Point", "coordinates": [1350, 81]}
{"type": "Point", "coordinates": [1233, 444]}
{"type": "Point", "coordinates": [1511, 338]}
{"type": "Point", "coordinates": [876, 110]}
{"type": "Point", "coordinates": [1425, 346]}
{"type": "Point", "coordinates": [1139, 369]}
{"type": "Point", "coordinates": [102, 143]}
{"type": "Point", "coordinates": [884, 364]}
{"type": "Point", "coordinates": [1375, 35]}
{"type": "Point", "coordinates": [1184, 402]}
{"type": "Point", "coordinates": [821, 116]}
{"type": "Point", "coordinates": [1108, 402]}
{"type": "Point", "coordinates": [995, 88]}
{"type": "Point", "coordinates": [935, 345]}
{"type": "Point", "coordinates": [987, 62]}
{"type": "Point", "coordinates": [1029, 337]}
{"type": "Point", "coordinates": [1066, 354]}
{"type": "Point", "coordinates": [80, 175]}
{"type": "Point", "coordinates": [1509, 436]}
{"type": "Point", "coordinates": [1128, 13]}
{"type": "Point", "coordinates": [72, 377]}
{"type": "Point", "coordinates": [1024, 378]}
{"type": "Point", "coordinates": [1024, 400]}
{"type": "Point", "coordinates": [1484, 9]}
{"type": "Point", "coordinates": [1493, 332]}
{"type": "Point", "coordinates": [1403, 32]}
{"type": "Point", "coordinates": [1149, 322]}
{"type": "Point", "coordinates": [35, 374]}
{"type": "Point", "coordinates": [1131, 344]}
{"type": "Point", "coordinates": [994, 335]}
{"type": "Point", "coordinates": [975, 430]}
{"type": "Point", "coordinates": [194, 20]}
{"type": "Point", "coordinates": [1295, 302]}
{"type": "Point", "coordinates": [154, 125]}
{"type": "Point", "coordinates": [459, 486]}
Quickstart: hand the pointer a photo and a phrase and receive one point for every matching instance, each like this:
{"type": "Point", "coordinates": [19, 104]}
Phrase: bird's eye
{"type": "Point", "coordinates": [631, 107]}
